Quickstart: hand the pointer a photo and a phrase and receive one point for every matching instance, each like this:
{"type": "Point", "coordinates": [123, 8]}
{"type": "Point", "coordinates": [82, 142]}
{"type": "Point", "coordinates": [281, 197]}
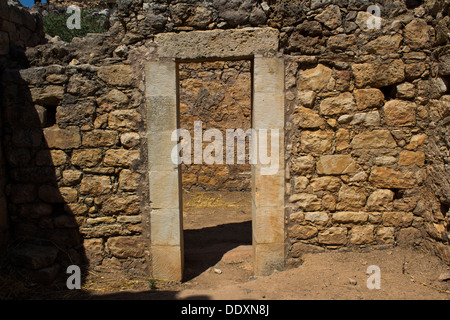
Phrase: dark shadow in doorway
{"type": "Point", "coordinates": [203, 248]}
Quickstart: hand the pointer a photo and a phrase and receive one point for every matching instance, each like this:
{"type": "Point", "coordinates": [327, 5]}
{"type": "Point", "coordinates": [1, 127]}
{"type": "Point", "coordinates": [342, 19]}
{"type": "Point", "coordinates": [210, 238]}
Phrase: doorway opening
{"type": "Point", "coordinates": [216, 96]}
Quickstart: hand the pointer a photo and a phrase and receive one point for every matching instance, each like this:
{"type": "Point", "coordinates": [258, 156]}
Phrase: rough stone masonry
{"type": "Point", "coordinates": [366, 133]}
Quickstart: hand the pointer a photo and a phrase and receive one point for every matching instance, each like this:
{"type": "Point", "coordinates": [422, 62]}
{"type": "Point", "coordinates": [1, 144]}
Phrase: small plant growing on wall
{"type": "Point", "coordinates": [56, 24]}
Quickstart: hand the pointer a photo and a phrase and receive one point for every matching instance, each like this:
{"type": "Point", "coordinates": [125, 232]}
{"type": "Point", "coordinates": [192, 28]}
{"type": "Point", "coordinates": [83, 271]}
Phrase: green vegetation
{"type": "Point", "coordinates": [55, 24]}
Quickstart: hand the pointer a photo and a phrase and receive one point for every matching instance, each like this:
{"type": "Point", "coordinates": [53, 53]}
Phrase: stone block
{"type": "Point", "coordinates": [164, 187]}
{"type": "Point", "coordinates": [362, 234]}
{"type": "Point", "coordinates": [302, 165]}
{"type": "Point", "coordinates": [379, 74]}
{"type": "Point", "coordinates": [369, 98]}
{"type": "Point", "coordinates": [166, 227]}
{"type": "Point", "coordinates": [116, 75]}
{"type": "Point", "coordinates": [217, 43]}
{"type": "Point", "coordinates": [333, 236]}
{"type": "Point", "coordinates": [68, 138]}
{"type": "Point", "coordinates": [373, 140]}
{"type": "Point", "coordinates": [335, 165]}
{"type": "Point", "coordinates": [314, 79]}
{"type": "Point", "coordinates": [408, 158]}
{"type": "Point", "coordinates": [300, 232]}
{"type": "Point", "coordinates": [380, 200]}
{"type": "Point", "coordinates": [343, 103]}
{"type": "Point", "coordinates": [400, 113]}
{"type": "Point", "coordinates": [306, 202]}
{"type": "Point", "coordinates": [124, 120]}
{"type": "Point", "coordinates": [95, 185]}
{"type": "Point", "coordinates": [126, 247]}
{"type": "Point", "coordinates": [121, 158]}
{"type": "Point", "coordinates": [388, 178]}
{"type": "Point", "coordinates": [350, 217]}
{"type": "Point", "coordinates": [167, 262]}
{"type": "Point", "coordinates": [316, 141]}
{"type": "Point", "coordinates": [100, 138]}
{"type": "Point", "coordinates": [269, 191]}
{"type": "Point", "coordinates": [86, 157]}
{"type": "Point", "coordinates": [267, 258]}
{"type": "Point", "coordinates": [268, 224]}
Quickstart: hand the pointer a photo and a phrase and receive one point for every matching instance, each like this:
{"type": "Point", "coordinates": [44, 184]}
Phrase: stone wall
{"type": "Point", "coordinates": [366, 130]}
{"type": "Point", "coordinates": [18, 29]}
{"type": "Point", "coordinates": [219, 95]}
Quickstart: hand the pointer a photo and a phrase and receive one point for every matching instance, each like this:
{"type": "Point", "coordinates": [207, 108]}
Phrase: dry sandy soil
{"type": "Point", "coordinates": [218, 265]}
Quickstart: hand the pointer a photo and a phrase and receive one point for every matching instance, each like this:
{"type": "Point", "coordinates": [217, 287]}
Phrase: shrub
{"type": "Point", "coordinates": [55, 24]}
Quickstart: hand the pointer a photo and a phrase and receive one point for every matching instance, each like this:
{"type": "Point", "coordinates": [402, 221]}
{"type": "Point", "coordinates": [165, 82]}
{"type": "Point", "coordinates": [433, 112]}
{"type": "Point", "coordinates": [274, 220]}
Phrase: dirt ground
{"type": "Point", "coordinates": [218, 265]}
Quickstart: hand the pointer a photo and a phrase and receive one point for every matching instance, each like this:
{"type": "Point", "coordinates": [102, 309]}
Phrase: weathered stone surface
{"type": "Point", "coordinates": [351, 198]}
{"type": "Point", "coordinates": [86, 157]}
{"type": "Point", "coordinates": [408, 158]}
{"type": "Point", "coordinates": [343, 103]}
{"type": "Point", "coordinates": [373, 140]}
{"type": "Point", "coordinates": [216, 43]}
{"type": "Point", "coordinates": [350, 217]}
{"type": "Point", "coordinates": [306, 201]}
{"type": "Point", "coordinates": [68, 138]}
{"type": "Point", "coordinates": [329, 202]}
{"type": "Point", "coordinates": [306, 98]}
{"type": "Point", "coordinates": [116, 75]}
{"type": "Point", "coordinates": [416, 141]}
{"type": "Point", "coordinates": [406, 90]}
{"type": "Point", "coordinates": [384, 44]}
{"type": "Point", "coordinates": [385, 234]}
{"type": "Point", "coordinates": [49, 95]}
{"type": "Point", "coordinates": [331, 184]}
{"type": "Point", "coordinates": [302, 165]}
{"type": "Point", "coordinates": [315, 78]}
{"type": "Point", "coordinates": [397, 219]}
{"type": "Point", "coordinates": [94, 249]}
{"type": "Point", "coordinates": [121, 158]}
{"type": "Point", "coordinates": [369, 98]}
{"type": "Point", "coordinates": [342, 141]}
{"type": "Point", "coordinates": [361, 234]}
{"type": "Point", "coordinates": [114, 99]}
{"type": "Point", "coordinates": [100, 138]}
{"type": "Point", "coordinates": [129, 139]}
{"type": "Point", "coordinates": [316, 141]}
{"type": "Point", "coordinates": [95, 186]}
{"type": "Point", "coordinates": [71, 177]}
{"type": "Point", "coordinates": [380, 200]}
{"type": "Point", "coordinates": [300, 184]}
{"type": "Point", "coordinates": [128, 180]}
{"type": "Point", "coordinates": [330, 17]}
{"type": "Point", "coordinates": [400, 113]}
{"type": "Point", "coordinates": [303, 232]}
{"type": "Point", "coordinates": [126, 247]}
{"type": "Point", "coordinates": [379, 74]}
{"type": "Point", "coordinates": [308, 119]}
{"type": "Point", "coordinates": [121, 204]}
{"type": "Point", "coordinates": [124, 120]}
{"type": "Point", "coordinates": [417, 34]}
{"type": "Point", "coordinates": [320, 218]}
{"type": "Point", "coordinates": [388, 178]}
{"type": "Point", "coordinates": [333, 236]}
{"type": "Point", "coordinates": [335, 165]}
